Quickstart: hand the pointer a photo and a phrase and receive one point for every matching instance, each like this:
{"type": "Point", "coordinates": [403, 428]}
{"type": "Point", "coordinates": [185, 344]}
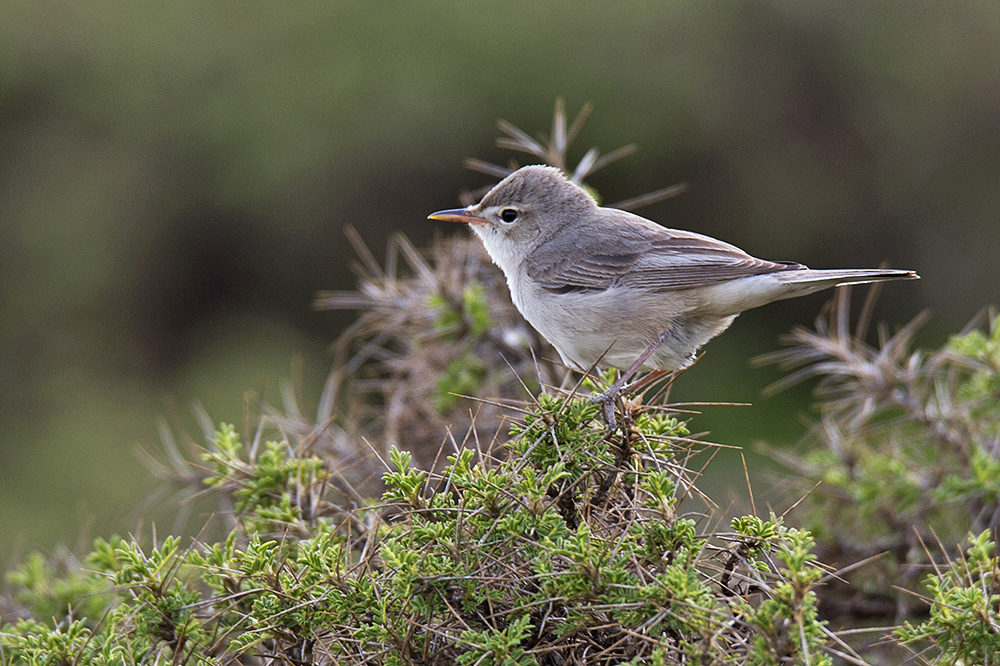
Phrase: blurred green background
{"type": "Point", "coordinates": [174, 179]}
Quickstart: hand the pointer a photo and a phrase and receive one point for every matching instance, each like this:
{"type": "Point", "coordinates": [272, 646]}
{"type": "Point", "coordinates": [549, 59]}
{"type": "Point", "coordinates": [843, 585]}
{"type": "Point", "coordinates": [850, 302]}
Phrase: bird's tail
{"type": "Point", "coordinates": [734, 296]}
{"type": "Point", "coordinates": [825, 278]}
{"type": "Point", "coordinates": [808, 281]}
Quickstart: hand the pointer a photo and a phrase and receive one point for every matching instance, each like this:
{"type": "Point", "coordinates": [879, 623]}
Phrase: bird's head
{"type": "Point", "coordinates": [522, 210]}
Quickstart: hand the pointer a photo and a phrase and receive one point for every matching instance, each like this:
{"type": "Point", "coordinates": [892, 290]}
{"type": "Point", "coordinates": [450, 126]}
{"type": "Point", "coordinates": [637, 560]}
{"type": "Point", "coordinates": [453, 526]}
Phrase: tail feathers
{"type": "Point", "coordinates": [836, 276]}
{"type": "Point", "coordinates": [735, 296]}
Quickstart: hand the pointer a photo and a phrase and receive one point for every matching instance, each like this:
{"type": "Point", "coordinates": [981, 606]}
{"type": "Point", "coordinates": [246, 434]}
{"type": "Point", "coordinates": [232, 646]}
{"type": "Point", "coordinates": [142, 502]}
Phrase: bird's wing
{"type": "Point", "coordinates": [628, 250]}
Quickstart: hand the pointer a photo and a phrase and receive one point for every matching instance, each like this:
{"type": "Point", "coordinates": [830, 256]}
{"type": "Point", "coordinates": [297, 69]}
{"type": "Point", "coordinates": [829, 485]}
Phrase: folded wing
{"type": "Point", "coordinates": [640, 254]}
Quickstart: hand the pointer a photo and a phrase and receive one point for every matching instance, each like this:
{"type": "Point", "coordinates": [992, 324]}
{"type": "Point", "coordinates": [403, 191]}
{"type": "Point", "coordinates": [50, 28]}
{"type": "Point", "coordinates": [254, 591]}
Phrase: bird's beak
{"type": "Point", "coordinates": [456, 215]}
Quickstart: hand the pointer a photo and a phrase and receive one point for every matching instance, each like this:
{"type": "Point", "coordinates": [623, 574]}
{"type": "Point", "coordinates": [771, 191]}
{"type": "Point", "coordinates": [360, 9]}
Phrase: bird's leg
{"type": "Point", "coordinates": [607, 399]}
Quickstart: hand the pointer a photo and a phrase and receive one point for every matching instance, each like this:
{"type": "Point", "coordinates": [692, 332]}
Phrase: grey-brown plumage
{"type": "Point", "coordinates": [622, 250]}
{"type": "Point", "coordinates": [601, 283]}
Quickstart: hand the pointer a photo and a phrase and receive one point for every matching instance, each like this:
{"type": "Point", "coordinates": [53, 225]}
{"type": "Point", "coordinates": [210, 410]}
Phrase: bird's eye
{"type": "Point", "coordinates": [508, 215]}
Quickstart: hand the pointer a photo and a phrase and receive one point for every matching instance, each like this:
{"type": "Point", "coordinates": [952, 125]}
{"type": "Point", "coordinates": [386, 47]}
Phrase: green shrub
{"type": "Point", "coordinates": [574, 546]}
{"type": "Point", "coordinates": [906, 454]}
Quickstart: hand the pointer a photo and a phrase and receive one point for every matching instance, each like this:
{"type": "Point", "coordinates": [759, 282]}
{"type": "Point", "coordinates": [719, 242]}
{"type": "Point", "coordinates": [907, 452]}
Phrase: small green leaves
{"type": "Point", "coordinates": [756, 528]}
{"type": "Point", "coordinates": [965, 607]}
{"type": "Point", "coordinates": [463, 376]}
{"type": "Point", "coordinates": [498, 647]}
{"type": "Point", "coordinates": [404, 484]}
{"type": "Point", "coordinates": [660, 486]}
{"type": "Point", "coordinates": [556, 430]}
{"type": "Point", "coordinates": [32, 643]}
{"type": "Point", "coordinates": [786, 625]}
{"type": "Point", "coordinates": [466, 322]}
{"type": "Point", "coordinates": [488, 562]}
{"type": "Point", "coordinates": [759, 534]}
{"type": "Point", "coordinates": [470, 317]}
{"type": "Point", "coordinates": [476, 309]}
{"type": "Point", "coordinates": [279, 486]}
{"type": "Point", "coordinates": [984, 347]}
{"type": "Point", "coordinates": [904, 459]}
{"type": "Point", "coordinates": [54, 591]}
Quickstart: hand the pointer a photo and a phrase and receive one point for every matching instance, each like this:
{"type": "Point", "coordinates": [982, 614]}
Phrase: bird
{"type": "Point", "coordinates": [610, 289]}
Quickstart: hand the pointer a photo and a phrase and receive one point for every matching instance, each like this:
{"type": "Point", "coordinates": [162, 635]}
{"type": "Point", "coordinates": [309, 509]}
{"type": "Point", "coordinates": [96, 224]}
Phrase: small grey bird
{"type": "Point", "coordinates": [611, 288]}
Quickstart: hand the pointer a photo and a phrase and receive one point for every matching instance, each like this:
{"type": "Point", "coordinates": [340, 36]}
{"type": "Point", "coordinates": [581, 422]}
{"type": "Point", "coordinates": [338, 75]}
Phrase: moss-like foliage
{"type": "Point", "coordinates": [573, 544]}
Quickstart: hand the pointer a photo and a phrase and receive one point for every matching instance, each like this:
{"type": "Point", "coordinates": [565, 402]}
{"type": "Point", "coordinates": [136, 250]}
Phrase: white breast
{"type": "Point", "coordinates": [503, 255]}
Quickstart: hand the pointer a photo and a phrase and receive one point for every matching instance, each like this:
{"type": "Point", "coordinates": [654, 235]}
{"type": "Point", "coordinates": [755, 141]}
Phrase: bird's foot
{"type": "Point", "coordinates": [606, 401]}
{"type": "Point", "coordinates": [620, 389]}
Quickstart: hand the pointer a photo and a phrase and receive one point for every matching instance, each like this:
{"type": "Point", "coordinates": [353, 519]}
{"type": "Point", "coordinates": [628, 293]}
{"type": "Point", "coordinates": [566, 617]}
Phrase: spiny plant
{"type": "Point", "coordinates": [906, 451]}
{"type": "Point", "coordinates": [532, 557]}
{"type": "Point", "coordinates": [964, 598]}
